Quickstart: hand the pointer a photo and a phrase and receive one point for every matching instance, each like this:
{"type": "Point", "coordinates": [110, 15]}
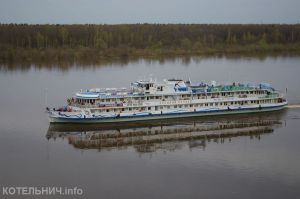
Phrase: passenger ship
{"type": "Point", "coordinates": [173, 98]}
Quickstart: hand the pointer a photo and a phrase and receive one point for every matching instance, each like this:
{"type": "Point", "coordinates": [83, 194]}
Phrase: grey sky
{"type": "Point", "coordinates": [149, 11]}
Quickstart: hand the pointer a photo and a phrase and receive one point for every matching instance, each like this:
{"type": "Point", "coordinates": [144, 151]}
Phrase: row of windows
{"type": "Point", "coordinates": [203, 95]}
{"type": "Point", "coordinates": [89, 101]}
{"type": "Point", "coordinates": [214, 104]}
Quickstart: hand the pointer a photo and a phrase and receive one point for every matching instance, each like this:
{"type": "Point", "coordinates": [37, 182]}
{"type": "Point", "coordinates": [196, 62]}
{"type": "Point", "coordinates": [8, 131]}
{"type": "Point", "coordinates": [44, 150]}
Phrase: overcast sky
{"type": "Point", "coordinates": [149, 11]}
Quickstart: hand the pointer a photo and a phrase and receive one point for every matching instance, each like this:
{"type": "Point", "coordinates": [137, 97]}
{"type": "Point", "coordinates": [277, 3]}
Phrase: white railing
{"type": "Point", "coordinates": [208, 99]}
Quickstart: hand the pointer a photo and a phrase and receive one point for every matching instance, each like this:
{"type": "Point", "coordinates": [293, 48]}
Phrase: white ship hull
{"type": "Point", "coordinates": [170, 114]}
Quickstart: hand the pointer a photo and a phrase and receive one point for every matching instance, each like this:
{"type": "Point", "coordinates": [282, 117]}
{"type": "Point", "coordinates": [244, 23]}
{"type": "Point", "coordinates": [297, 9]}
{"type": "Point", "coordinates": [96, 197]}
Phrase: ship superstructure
{"type": "Point", "coordinates": [173, 98]}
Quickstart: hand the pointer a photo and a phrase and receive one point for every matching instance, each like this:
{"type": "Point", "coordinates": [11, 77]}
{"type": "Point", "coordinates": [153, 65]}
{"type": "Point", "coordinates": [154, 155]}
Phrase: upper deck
{"type": "Point", "coordinates": [168, 87]}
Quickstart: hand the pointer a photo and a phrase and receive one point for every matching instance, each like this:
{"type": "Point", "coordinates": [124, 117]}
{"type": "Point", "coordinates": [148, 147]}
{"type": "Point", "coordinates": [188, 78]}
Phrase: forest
{"type": "Point", "coordinates": [24, 42]}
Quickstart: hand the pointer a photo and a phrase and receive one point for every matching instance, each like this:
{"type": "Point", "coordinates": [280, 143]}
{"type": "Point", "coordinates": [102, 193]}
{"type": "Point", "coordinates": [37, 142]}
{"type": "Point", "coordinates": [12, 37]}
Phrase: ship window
{"type": "Point", "coordinates": [191, 105]}
{"type": "Point", "coordinates": [180, 106]}
{"type": "Point", "coordinates": [156, 108]}
{"type": "Point", "coordinates": [175, 106]}
{"type": "Point", "coordinates": [147, 86]}
{"type": "Point", "coordinates": [161, 107]}
{"type": "Point", "coordinates": [221, 104]}
{"type": "Point", "coordinates": [149, 108]}
{"type": "Point", "coordinates": [206, 104]}
{"type": "Point", "coordinates": [107, 110]}
{"type": "Point", "coordinates": [211, 104]}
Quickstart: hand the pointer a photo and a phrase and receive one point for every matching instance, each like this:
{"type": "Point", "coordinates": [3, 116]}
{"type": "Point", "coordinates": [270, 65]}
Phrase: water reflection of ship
{"type": "Point", "coordinates": [166, 135]}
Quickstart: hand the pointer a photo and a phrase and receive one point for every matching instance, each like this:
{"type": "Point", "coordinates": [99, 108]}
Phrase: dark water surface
{"type": "Point", "coordinates": [245, 156]}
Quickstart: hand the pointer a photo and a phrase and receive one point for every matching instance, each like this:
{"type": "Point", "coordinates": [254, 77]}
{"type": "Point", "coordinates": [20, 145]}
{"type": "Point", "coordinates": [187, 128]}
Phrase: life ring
{"type": "Point", "coordinates": [86, 112]}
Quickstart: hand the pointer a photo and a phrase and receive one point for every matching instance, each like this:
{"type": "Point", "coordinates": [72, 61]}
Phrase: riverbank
{"type": "Point", "coordinates": [98, 43]}
{"type": "Point", "coordinates": [89, 55]}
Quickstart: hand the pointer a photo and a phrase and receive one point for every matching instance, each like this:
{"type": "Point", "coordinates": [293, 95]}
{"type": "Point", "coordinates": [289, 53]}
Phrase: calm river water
{"type": "Point", "coordinates": [247, 156]}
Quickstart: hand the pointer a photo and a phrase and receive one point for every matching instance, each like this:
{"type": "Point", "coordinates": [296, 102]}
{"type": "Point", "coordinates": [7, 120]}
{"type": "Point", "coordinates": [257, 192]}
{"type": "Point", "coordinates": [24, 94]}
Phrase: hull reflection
{"type": "Point", "coordinates": [166, 135]}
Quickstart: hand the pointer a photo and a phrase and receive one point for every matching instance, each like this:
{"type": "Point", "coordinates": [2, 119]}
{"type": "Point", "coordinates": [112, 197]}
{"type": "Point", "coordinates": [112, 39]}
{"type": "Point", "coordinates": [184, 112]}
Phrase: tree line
{"type": "Point", "coordinates": [148, 38]}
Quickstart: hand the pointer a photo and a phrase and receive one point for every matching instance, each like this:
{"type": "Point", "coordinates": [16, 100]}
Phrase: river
{"type": "Point", "coordinates": [247, 156]}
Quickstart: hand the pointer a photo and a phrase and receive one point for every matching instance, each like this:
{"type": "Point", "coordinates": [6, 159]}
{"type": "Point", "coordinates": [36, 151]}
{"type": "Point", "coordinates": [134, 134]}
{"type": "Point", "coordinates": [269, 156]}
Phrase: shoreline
{"type": "Point", "coordinates": [94, 56]}
{"type": "Point", "coordinates": [93, 43]}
